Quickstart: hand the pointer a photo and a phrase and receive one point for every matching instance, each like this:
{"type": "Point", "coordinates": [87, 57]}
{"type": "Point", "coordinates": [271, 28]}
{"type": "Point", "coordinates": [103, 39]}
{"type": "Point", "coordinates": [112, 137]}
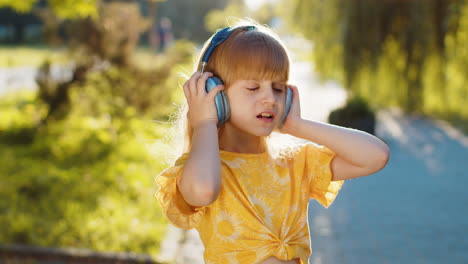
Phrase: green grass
{"type": "Point", "coordinates": [15, 56]}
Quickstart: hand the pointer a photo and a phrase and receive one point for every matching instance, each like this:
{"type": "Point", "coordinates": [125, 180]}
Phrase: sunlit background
{"type": "Point", "coordinates": [88, 87]}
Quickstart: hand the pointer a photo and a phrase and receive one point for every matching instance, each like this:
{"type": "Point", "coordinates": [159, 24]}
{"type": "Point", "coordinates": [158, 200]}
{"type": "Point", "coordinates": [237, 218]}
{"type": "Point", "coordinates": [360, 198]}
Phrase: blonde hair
{"type": "Point", "coordinates": [246, 54]}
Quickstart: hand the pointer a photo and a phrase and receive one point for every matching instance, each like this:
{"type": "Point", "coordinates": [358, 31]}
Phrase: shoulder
{"type": "Point", "coordinates": [173, 170]}
{"type": "Point", "coordinates": [298, 150]}
{"type": "Point", "coordinates": [311, 148]}
{"type": "Point", "coordinates": [305, 153]}
{"type": "Point", "coordinates": [229, 160]}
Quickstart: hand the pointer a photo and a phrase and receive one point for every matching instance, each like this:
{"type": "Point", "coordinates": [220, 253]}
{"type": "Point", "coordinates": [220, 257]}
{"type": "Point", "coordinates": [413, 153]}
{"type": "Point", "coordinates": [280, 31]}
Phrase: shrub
{"type": "Point", "coordinates": [355, 114]}
{"type": "Point", "coordinates": [84, 182]}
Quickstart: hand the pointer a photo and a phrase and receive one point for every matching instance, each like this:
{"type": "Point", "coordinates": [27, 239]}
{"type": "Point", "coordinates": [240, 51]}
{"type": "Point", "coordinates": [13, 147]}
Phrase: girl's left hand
{"type": "Point", "coordinates": [294, 115]}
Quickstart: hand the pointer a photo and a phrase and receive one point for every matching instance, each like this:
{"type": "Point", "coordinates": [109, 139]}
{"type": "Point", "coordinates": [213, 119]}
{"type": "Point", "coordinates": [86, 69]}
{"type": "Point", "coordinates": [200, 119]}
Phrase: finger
{"type": "Point", "coordinates": [201, 83]}
{"type": "Point", "coordinates": [186, 89]}
{"type": "Point", "coordinates": [193, 83]}
{"type": "Point", "coordinates": [294, 90]}
{"type": "Point", "coordinates": [296, 100]}
{"type": "Point", "coordinates": [215, 90]}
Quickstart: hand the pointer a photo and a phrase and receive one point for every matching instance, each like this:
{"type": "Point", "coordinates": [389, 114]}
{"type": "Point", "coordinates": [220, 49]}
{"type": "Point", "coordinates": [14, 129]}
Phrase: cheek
{"type": "Point", "coordinates": [241, 107]}
{"type": "Point", "coordinates": [281, 100]}
{"type": "Point", "coordinates": [240, 101]}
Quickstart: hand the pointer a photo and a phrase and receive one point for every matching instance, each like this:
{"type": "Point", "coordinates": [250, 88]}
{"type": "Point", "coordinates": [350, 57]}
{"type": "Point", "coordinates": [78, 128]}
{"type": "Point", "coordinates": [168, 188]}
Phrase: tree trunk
{"type": "Point", "coordinates": [19, 33]}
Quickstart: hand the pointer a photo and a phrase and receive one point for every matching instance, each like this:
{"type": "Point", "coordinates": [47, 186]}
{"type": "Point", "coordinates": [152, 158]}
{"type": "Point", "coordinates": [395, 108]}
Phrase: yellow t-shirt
{"type": "Point", "coordinates": [261, 209]}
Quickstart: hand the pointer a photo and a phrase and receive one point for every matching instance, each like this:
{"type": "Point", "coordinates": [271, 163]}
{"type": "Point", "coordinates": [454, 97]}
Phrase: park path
{"type": "Point", "coordinates": [412, 211]}
{"type": "Point", "coordinates": [23, 77]}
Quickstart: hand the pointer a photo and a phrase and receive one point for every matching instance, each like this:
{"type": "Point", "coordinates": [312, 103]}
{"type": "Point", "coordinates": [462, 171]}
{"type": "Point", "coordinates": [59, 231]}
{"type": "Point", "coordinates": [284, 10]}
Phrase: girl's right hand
{"type": "Point", "coordinates": [202, 108]}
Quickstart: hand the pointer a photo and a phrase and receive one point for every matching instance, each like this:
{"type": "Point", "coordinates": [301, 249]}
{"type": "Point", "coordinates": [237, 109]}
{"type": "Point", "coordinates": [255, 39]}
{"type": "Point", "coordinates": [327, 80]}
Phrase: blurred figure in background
{"type": "Point", "coordinates": [163, 35]}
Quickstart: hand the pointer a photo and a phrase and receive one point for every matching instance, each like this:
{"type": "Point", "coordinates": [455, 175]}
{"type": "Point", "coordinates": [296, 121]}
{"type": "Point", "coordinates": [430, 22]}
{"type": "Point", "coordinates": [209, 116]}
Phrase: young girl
{"type": "Point", "coordinates": [248, 202]}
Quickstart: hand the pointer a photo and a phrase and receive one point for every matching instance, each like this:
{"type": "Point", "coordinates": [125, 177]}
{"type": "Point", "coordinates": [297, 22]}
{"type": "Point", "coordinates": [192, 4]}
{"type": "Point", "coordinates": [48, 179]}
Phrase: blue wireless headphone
{"type": "Point", "coordinates": [221, 101]}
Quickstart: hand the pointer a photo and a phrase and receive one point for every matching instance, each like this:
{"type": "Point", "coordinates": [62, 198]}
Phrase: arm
{"type": "Point", "coordinates": [357, 153]}
{"type": "Point", "coordinates": [201, 177]}
{"type": "Point", "coordinates": [200, 181]}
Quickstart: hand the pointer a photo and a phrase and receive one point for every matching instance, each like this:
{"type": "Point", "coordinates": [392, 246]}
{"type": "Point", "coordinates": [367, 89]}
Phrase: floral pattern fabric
{"type": "Point", "coordinates": [261, 209]}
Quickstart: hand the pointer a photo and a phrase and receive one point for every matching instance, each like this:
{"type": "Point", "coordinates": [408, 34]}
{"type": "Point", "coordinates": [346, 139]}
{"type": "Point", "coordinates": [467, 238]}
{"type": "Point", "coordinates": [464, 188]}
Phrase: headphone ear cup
{"type": "Point", "coordinates": [287, 106]}
{"type": "Point", "coordinates": [227, 108]}
{"type": "Point", "coordinates": [222, 107]}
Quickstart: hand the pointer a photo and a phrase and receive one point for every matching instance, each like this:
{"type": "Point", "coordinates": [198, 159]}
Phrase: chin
{"type": "Point", "coordinates": [252, 128]}
{"type": "Point", "coordinates": [262, 132]}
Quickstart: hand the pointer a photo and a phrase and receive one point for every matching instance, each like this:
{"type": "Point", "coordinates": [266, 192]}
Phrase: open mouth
{"type": "Point", "coordinates": [266, 116]}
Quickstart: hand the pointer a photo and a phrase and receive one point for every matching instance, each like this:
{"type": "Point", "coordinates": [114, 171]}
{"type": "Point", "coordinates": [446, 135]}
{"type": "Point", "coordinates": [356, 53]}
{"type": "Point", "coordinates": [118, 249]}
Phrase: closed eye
{"type": "Point", "coordinates": [279, 90]}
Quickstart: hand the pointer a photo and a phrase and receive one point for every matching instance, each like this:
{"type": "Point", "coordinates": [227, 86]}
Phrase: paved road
{"type": "Point", "coordinates": [13, 79]}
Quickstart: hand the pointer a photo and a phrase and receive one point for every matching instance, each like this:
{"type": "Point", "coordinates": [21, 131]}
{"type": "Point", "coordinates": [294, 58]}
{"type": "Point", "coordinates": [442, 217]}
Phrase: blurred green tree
{"type": "Point", "coordinates": [20, 6]}
{"type": "Point", "coordinates": [63, 8]}
{"type": "Point", "coordinates": [188, 17]}
{"type": "Point", "coordinates": [393, 52]}
{"type": "Point", "coordinates": [73, 8]}
{"type": "Point", "coordinates": [86, 178]}
{"type": "Point", "coordinates": [102, 53]}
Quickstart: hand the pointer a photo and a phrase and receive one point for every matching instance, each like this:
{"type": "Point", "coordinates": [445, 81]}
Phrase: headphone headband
{"type": "Point", "coordinates": [217, 39]}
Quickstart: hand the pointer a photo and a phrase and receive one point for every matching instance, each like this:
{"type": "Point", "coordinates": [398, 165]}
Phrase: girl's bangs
{"type": "Point", "coordinates": [252, 56]}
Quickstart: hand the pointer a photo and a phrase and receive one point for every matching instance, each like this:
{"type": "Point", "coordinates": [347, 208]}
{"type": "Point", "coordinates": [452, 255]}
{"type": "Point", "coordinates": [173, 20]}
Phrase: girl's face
{"type": "Point", "coordinates": [256, 106]}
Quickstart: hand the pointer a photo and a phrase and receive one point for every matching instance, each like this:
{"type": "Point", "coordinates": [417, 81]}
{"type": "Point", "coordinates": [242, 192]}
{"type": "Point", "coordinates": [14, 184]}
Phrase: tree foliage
{"type": "Point", "coordinates": [395, 52]}
{"type": "Point", "coordinates": [86, 178]}
{"type": "Point", "coordinates": [20, 6]}
{"type": "Point", "coordinates": [63, 8]}
{"type": "Point", "coordinates": [84, 182]}
{"type": "Point", "coordinates": [187, 17]}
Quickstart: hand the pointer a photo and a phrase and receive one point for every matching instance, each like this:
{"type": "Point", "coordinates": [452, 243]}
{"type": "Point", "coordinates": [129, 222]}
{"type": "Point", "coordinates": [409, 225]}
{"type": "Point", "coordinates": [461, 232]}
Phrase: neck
{"type": "Point", "coordinates": [233, 140]}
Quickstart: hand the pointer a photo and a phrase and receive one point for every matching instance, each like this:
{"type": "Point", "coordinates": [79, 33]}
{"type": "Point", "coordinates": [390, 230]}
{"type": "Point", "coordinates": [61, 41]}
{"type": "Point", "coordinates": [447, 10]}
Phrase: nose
{"type": "Point", "coordinates": [268, 97]}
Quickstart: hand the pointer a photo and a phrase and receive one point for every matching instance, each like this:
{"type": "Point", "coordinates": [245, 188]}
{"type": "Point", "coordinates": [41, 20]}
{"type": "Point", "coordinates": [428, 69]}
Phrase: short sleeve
{"type": "Point", "coordinates": [174, 207]}
{"type": "Point", "coordinates": [318, 162]}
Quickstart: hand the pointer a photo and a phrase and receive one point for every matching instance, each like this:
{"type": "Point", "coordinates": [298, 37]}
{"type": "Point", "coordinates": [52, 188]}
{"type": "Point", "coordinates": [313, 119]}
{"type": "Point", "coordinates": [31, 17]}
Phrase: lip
{"type": "Point", "coordinates": [268, 112]}
{"type": "Point", "coordinates": [267, 120]}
